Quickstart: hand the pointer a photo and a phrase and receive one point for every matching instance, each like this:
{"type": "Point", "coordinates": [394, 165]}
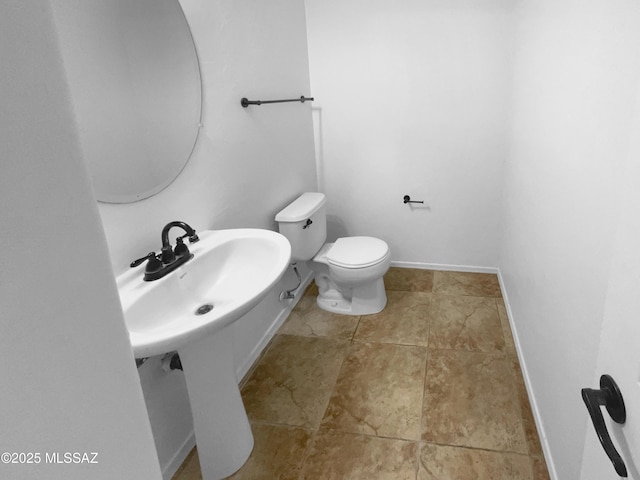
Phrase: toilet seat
{"type": "Point", "coordinates": [350, 277]}
{"type": "Point", "coordinates": [357, 252]}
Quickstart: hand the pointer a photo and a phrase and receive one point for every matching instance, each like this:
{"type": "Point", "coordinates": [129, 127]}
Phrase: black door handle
{"type": "Point", "coordinates": [609, 396]}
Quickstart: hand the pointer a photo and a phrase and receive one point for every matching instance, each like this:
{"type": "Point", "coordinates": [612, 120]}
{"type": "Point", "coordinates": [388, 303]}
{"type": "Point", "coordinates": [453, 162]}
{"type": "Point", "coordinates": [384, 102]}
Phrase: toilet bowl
{"type": "Point", "coordinates": [349, 271]}
{"type": "Point", "coordinates": [349, 275]}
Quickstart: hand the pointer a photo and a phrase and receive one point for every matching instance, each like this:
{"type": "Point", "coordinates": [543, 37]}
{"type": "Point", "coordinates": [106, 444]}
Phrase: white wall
{"type": "Point", "coordinates": [617, 355]}
{"type": "Point", "coordinates": [412, 97]}
{"type": "Point", "coordinates": [430, 98]}
{"type": "Point", "coordinates": [69, 382]}
{"type": "Point", "coordinates": [246, 166]}
{"type": "Point", "coordinates": [248, 163]}
{"type": "Point", "coordinates": [576, 72]}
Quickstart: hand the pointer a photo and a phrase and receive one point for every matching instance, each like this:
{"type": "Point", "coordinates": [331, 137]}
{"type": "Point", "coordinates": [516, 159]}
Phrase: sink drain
{"type": "Point", "coordinates": [206, 308]}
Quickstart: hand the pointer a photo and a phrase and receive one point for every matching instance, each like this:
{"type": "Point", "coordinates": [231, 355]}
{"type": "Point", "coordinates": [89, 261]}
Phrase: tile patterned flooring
{"type": "Point", "coordinates": [428, 389]}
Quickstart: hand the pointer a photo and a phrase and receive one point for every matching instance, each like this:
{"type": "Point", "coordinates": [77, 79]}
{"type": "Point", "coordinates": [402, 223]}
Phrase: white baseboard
{"type": "Point", "coordinates": [178, 459]}
{"type": "Point", "coordinates": [445, 267]}
{"type": "Point", "coordinates": [527, 381]}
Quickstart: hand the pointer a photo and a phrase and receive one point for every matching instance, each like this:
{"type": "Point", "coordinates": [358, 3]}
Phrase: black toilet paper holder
{"type": "Point", "coordinates": [407, 199]}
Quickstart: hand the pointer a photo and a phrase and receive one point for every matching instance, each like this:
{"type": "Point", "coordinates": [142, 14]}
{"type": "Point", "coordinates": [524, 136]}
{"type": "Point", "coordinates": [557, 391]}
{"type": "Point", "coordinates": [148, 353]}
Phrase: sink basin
{"type": "Point", "coordinates": [230, 272]}
{"type": "Point", "coordinates": [188, 310]}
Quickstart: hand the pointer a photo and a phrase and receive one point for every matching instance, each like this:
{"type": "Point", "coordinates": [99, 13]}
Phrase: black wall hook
{"type": "Point", "coordinates": [609, 396]}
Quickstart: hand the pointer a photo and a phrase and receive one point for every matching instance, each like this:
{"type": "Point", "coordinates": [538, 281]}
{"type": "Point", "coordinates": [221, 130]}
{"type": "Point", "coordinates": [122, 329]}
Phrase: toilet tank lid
{"type": "Point", "coordinates": [301, 208]}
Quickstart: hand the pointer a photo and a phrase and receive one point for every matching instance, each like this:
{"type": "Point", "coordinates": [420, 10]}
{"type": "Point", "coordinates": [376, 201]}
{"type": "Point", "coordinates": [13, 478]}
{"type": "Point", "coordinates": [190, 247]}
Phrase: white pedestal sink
{"type": "Point", "coordinates": [223, 433]}
{"type": "Point", "coordinates": [188, 310]}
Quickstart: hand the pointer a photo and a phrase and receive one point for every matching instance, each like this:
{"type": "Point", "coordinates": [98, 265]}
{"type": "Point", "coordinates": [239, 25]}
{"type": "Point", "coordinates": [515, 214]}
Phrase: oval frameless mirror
{"type": "Point", "coordinates": [135, 86]}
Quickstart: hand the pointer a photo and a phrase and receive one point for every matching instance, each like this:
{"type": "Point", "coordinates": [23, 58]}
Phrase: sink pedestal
{"type": "Point", "coordinates": [223, 433]}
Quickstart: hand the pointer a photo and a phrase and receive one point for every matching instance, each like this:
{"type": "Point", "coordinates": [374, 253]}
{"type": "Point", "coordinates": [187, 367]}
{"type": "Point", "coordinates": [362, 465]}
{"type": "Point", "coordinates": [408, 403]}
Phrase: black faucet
{"type": "Point", "coordinates": [168, 254]}
{"type": "Point", "coordinates": [170, 258]}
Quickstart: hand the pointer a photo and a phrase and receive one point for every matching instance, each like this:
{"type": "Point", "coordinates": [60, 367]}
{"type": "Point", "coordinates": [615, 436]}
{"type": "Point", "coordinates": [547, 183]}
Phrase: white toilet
{"type": "Point", "coordinates": [348, 272]}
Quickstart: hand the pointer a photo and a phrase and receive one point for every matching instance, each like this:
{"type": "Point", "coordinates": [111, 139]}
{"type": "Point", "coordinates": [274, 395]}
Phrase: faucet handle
{"type": "Point", "coordinates": [153, 265]}
{"type": "Point", "coordinates": [181, 249]}
{"type": "Point", "coordinates": [140, 261]}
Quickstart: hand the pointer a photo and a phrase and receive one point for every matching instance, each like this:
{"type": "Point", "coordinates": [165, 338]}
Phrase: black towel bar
{"type": "Point", "coordinates": [245, 102]}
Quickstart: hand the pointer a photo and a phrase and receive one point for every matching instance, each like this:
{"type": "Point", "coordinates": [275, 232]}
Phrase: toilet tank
{"type": "Point", "coordinates": [304, 223]}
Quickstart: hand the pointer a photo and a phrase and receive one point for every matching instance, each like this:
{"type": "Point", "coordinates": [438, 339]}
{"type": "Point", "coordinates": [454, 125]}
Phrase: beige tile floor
{"type": "Point", "coordinates": [428, 389]}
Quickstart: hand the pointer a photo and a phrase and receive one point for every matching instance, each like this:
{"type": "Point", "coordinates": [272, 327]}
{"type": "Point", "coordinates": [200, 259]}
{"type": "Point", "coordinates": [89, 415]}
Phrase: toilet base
{"type": "Point", "coordinates": [366, 299]}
